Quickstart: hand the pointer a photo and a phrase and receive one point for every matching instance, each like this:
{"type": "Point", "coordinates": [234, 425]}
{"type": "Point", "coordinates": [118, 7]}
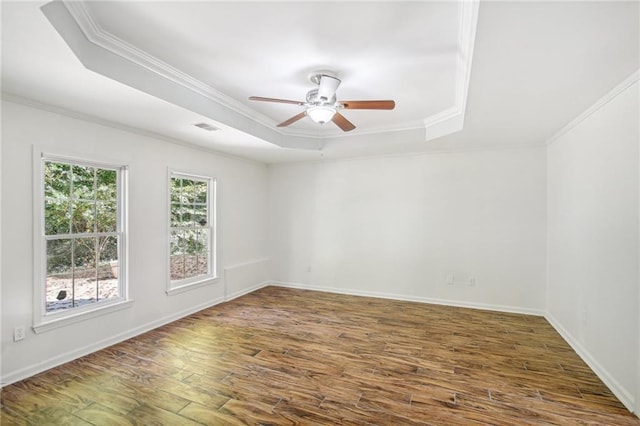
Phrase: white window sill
{"type": "Point", "coordinates": [53, 322]}
{"type": "Point", "coordinates": [181, 288]}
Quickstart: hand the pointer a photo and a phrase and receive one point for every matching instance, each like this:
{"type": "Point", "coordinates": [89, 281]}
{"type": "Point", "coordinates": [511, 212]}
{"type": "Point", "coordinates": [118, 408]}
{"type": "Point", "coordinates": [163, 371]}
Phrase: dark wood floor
{"type": "Point", "coordinates": [282, 356]}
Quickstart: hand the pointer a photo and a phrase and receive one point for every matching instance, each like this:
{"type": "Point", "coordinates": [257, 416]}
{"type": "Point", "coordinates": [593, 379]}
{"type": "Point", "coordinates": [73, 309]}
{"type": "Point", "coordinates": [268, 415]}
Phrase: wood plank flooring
{"type": "Point", "coordinates": [283, 357]}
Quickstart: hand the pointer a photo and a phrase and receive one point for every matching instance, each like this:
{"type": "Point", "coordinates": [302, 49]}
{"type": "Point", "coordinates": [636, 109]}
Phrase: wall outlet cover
{"type": "Point", "coordinates": [18, 333]}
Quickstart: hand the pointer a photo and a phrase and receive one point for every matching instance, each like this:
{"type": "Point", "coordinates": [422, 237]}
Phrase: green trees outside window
{"type": "Point", "coordinates": [190, 227]}
{"type": "Point", "coordinates": [81, 234]}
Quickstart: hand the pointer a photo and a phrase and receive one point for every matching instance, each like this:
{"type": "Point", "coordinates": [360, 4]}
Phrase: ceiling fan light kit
{"type": "Point", "coordinates": [322, 105]}
{"type": "Point", "coordinates": [321, 114]}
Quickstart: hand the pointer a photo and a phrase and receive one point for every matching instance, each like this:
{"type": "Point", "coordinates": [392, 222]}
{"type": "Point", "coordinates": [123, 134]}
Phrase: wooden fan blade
{"type": "Point", "coordinates": [280, 101]}
{"type": "Point", "coordinates": [342, 122]}
{"type": "Point", "coordinates": [368, 104]}
{"type": "Point", "coordinates": [293, 119]}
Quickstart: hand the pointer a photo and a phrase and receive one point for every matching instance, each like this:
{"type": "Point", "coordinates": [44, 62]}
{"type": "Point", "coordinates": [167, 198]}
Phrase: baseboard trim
{"type": "Point", "coordinates": [104, 343]}
{"type": "Point", "coordinates": [247, 290]}
{"type": "Point", "coordinates": [618, 390]}
{"type": "Point", "coordinates": [408, 298]}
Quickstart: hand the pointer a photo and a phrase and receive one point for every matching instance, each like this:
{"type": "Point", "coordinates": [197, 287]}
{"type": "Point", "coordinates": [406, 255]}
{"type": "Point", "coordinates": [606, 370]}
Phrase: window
{"type": "Point", "coordinates": [82, 238]}
{"type": "Point", "coordinates": [191, 230]}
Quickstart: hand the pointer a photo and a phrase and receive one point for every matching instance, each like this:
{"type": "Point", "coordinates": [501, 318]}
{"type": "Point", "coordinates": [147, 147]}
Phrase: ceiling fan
{"type": "Point", "coordinates": [322, 106]}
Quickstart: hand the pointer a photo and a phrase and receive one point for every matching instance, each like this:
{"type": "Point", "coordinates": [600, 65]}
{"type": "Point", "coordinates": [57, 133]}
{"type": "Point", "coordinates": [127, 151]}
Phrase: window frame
{"type": "Point", "coordinates": [186, 284]}
{"type": "Point", "coordinates": [43, 320]}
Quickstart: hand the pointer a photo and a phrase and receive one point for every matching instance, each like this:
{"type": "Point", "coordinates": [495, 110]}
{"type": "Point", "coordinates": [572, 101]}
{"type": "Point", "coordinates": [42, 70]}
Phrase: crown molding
{"type": "Point", "coordinates": [20, 100]}
{"type": "Point", "coordinates": [600, 103]}
{"type": "Point", "coordinates": [451, 120]}
{"type": "Point", "coordinates": [99, 46]}
{"type": "Point", "coordinates": [102, 38]}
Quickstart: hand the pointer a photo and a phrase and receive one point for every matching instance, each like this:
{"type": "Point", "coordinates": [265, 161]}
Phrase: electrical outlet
{"type": "Point", "coordinates": [18, 333]}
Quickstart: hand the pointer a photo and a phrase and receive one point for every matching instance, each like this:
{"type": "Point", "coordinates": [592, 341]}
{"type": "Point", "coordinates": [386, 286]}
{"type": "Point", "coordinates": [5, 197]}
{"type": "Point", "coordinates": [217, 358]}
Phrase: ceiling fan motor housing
{"type": "Point", "coordinates": [314, 99]}
{"type": "Point", "coordinates": [327, 87]}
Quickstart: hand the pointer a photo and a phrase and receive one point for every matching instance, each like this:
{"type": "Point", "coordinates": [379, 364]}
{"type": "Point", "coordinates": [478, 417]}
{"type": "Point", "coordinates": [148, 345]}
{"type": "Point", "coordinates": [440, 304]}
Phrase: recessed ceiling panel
{"type": "Point", "coordinates": [406, 51]}
{"type": "Point", "coordinates": [415, 53]}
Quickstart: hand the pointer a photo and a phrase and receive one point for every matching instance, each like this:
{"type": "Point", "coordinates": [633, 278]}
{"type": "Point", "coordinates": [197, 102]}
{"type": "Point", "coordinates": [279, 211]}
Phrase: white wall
{"type": "Point", "coordinates": [593, 195]}
{"type": "Point", "coordinates": [397, 226]}
{"type": "Point", "coordinates": [242, 202]}
{"type": "Point", "coordinates": [394, 226]}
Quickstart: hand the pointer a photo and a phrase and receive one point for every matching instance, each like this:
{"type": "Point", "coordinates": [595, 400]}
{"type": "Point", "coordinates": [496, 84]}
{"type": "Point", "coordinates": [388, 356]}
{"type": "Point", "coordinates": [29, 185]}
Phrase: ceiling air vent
{"type": "Point", "coordinates": [207, 127]}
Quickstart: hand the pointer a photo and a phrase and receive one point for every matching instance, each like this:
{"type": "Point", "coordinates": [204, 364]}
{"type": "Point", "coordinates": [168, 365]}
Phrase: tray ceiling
{"type": "Point", "coordinates": [161, 67]}
{"type": "Point", "coordinates": [417, 53]}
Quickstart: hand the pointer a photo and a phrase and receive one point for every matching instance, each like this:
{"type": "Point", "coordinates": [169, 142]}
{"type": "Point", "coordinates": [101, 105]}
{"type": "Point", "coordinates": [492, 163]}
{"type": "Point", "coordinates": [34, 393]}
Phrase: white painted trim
{"type": "Point", "coordinates": [19, 100]}
{"type": "Point", "coordinates": [448, 121]}
{"type": "Point", "coordinates": [1, 204]}
{"type": "Point", "coordinates": [247, 290]}
{"type": "Point", "coordinates": [413, 154]}
{"type": "Point", "coordinates": [603, 101]}
{"type": "Point", "coordinates": [208, 280]}
{"type": "Point", "coordinates": [100, 37]}
{"type": "Point", "coordinates": [74, 317]}
{"type": "Point", "coordinates": [451, 120]}
{"type": "Point", "coordinates": [43, 321]}
{"type": "Point", "coordinates": [201, 280]}
{"type": "Point", "coordinates": [247, 263]}
{"type": "Point", "coordinates": [77, 353]}
{"type": "Point", "coordinates": [624, 395]}
{"type": "Point", "coordinates": [401, 127]}
{"type": "Point", "coordinates": [637, 394]}
{"type": "Point", "coordinates": [408, 298]}
{"type": "Point", "coordinates": [236, 266]}
{"type": "Point", "coordinates": [619, 391]}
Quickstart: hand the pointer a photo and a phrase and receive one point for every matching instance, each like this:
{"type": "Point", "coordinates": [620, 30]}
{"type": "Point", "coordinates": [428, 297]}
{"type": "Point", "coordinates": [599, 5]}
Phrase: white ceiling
{"type": "Point", "coordinates": [535, 66]}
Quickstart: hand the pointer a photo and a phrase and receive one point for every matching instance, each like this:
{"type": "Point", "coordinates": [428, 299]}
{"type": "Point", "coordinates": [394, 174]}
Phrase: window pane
{"type": "Point", "coordinates": [106, 185]}
{"type": "Point", "coordinates": [84, 257]}
{"type": "Point", "coordinates": [200, 189]}
{"type": "Point", "coordinates": [85, 272]}
{"type": "Point", "coordinates": [59, 256]}
{"type": "Point", "coordinates": [190, 233]}
{"type": "Point", "coordinates": [203, 252]}
{"type": "Point", "coordinates": [176, 215]}
{"type": "Point", "coordinates": [176, 184]}
{"type": "Point", "coordinates": [191, 241]}
{"type": "Point", "coordinates": [108, 288]}
{"type": "Point", "coordinates": [81, 199]}
{"type": "Point", "coordinates": [59, 277]}
{"type": "Point", "coordinates": [107, 249]}
{"type": "Point", "coordinates": [57, 216]}
{"type": "Point", "coordinates": [83, 219]}
{"type": "Point", "coordinates": [186, 216]}
{"type": "Point", "coordinates": [203, 264]}
{"type": "Point", "coordinates": [57, 180]}
{"type": "Point", "coordinates": [177, 242]}
{"type": "Point", "coordinates": [177, 267]}
{"type": "Point", "coordinates": [85, 291]}
{"type": "Point", "coordinates": [190, 266]}
{"type": "Point", "coordinates": [188, 191]}
{"type": "Point", "coordinates": [108, 268]}
{"type": "Point", "coordinates": [203, 240]}
{"type": "Point", "coordinates": [106, 216]}
{"type": "Point", "coordinates": [83, 182]}
{"type": "Point", "coordinates": [200, 215]}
